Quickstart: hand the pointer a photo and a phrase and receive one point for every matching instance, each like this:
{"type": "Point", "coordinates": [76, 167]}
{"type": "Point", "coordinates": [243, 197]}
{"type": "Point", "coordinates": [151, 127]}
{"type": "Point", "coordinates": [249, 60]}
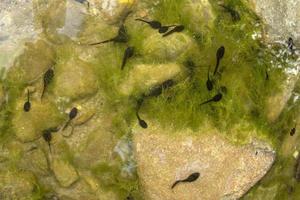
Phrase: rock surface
{"type": "Point", "coordinates": [143, 77]}
{"type": "Point", "coordinates": [282, 18]}
{"type": "Point", "coordinates": [16, 185]}
{"type": "Point", "coordinates": [74, 79]}
{"type": "Point", "coordinates": [227, 171]}
{"type": "Point", "coordinates": [167, 48]}
{"type": "Point", "coordinates": [64, 172]}
{"type": "Point", "coordinates": [28, 126]}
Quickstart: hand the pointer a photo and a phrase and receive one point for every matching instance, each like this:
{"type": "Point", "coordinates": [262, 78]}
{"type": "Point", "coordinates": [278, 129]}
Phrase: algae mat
{"type": "Point", "coordinates": [107, 99]}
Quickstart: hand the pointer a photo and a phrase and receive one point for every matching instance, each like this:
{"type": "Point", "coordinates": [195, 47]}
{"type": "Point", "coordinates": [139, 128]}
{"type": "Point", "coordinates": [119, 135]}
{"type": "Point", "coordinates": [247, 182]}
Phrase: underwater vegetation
{"type": "Point", "coordinates": [69, 105]}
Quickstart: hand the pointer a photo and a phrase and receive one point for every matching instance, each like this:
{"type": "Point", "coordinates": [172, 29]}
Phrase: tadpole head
{"type": "Point", "coordinates": [155, 24]}
{"type": "Point", "coordinates": [209, 85]}
{"type": "Point", "coordinates": [27, 106]}
{"type": "Point", "coordinates": [221, 52]}
{"type": "Point", "coordinates": [163, 29]}
{"type": "Point", "coordinates": [218, 97]}
{"type": "Point", "coordinates": [73, 113]}
{"type": "Point", "coordinates": [47, 135]}
{"type": "Point", "coordinates": [143, 124]}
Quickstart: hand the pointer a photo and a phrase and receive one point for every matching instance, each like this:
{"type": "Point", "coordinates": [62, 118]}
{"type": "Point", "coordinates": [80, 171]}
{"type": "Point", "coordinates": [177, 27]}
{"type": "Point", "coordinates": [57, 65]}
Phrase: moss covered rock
{"type": "Point", "coordinates": [200, 13]}
{"type": "Point", "coordinates": [226, 169]}
{"type": "Point", "coordinates": [16, 185]}
{"type": "Point", "coordinates": [2, 95]}
{"type": "Point", "coordinates": [35, 161]}
{"type": "Point", "coordinates": [166, 48]}
{"type": "Point", "coordinates": [28, 126]}
{"type": "Point", "coordinates": [74, 79]}
{"type": "Point", "coordinates": [30, 65]}
{"type": "Point", "coordinates": [143, 77]}
{"type": "Point", "coordinates": [112, 10]}
{"type": "Point", "coordinates": [64, 172]}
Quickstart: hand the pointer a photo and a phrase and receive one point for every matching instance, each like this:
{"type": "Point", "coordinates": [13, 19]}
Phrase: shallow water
{"type": "Point", "coordinates": [92, 155]}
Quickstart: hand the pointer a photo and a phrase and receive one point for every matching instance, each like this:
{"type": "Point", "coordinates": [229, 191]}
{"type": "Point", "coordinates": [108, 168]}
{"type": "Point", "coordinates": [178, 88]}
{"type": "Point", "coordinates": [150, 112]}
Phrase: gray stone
{"type": "Point", "coordinates": [282, 18]}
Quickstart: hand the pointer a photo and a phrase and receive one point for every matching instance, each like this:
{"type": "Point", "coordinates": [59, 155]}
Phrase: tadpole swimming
{"type": "Point", "coordinates": [219, 55]}
{"type": "Point", "coordinates": [153, 24]}
{"type": "Point", "coordinates": [191, 178]}
{"type": "Point", "coordinates": [72, 115]}
{"type": "Point", "coordinates": [216, 98]}
{"type": "Point", "coordinates": [48, 76]}
{"type": "Point", "coordinates": [142, 122]}
{"type": "Point", "coordinates": [127, 54]}
{"type": "Point", "coordinates": [27, 104]}
{"type": "Point", "coordinates": [122, 37]}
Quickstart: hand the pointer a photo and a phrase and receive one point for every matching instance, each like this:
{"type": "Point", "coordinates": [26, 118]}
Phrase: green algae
{"type": "Point", "coordinates": [241, 79]}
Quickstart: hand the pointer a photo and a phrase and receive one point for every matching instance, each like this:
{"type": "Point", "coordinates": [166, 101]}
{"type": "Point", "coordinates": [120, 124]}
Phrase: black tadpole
{"type": "Point", "coordinates": [156, 91]}
{"type": "Point", "coordinates": [27, 104]}
{"type": "Point", "coordinates": [122, 37]}
{"type": "Point", "coordinates": [127, 54]}
{"type": "Point", "coordinates": [47, 135]}
{"type": "Point", "coordinates": [72, 115]}
{"type": "Point", "coordinates": [219, 55]}
{"type": "Point", "coordinates": [48, 76]}
{"type": "Point", "coordinates": [153, 24]}
{"type": "Point", "coordinates": [178, 28]}
{"type": "Point", "coordinates": [191, 178]}
{"type": "Point", "coordinates": [216, 98]}
{"type": "Point", "coordinates": [142, 123]}
{"type": "Point", "coordinates": [293, 131]}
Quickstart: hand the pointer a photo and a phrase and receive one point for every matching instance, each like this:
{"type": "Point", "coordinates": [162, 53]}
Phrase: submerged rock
{"type": "Point", "coordinates": [201, 14]}
{"type": "Point", "coordinates": [28, 126]}
{"type": "Point", "coordinates": [168, 48]}
{"type": "Point", "coordinates": [282, 18]}
{"type": "Point", "coordinates": [64, 172]}
{"type": "Point", "coordinates": [16, 185]}
{"type": "Point", "coordinates": [112, 11]}
{"type": "Point", "coordinates": [30, 65]}
{"type": "Point", "coordinates": [74, 79]}
{"type": "Point", "coordinates": [17, 27]}
{"type": "Point", "coordinates": [227, 171]}
{"type": "Point", "coordinates": [35, 160]}
{"type": "Point", "coordinates": [143, 77]}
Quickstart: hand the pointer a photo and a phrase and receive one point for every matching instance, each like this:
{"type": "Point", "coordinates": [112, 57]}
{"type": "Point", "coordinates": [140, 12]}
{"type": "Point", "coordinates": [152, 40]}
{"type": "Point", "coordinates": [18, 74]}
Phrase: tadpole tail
{"type": "Point", "coordinates": [102, 42]}
{"type": "Point", "coordinates": [49, 147]}
{"type": "Point", "coordinates": [217, 66]}
{"type": "Point", "coordinates": [124, 62]}
{"type": "Point", "coordinates": [43, 92]}
{"type": "Point", "coordinates": [66, 125]}
{"type": "Point", "coordinates": [141, 20]}
{"type": "Point", "coordinates": [69, 135]}
{"type": "Point", "coordinates": [205, 102]}
{"type": "Point", "coordinates": [176, 183]}
{"type": "Point", "coordinates": [28, 95]}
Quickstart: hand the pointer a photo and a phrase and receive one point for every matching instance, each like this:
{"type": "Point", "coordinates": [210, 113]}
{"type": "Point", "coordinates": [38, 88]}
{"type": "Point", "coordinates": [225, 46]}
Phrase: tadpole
{"type": "Point", "coordinates": [27, 104]}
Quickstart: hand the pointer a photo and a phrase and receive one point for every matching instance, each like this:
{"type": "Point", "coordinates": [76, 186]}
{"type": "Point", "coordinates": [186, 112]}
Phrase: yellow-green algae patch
{"type": "Point", "coordinates": [82, 70]}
